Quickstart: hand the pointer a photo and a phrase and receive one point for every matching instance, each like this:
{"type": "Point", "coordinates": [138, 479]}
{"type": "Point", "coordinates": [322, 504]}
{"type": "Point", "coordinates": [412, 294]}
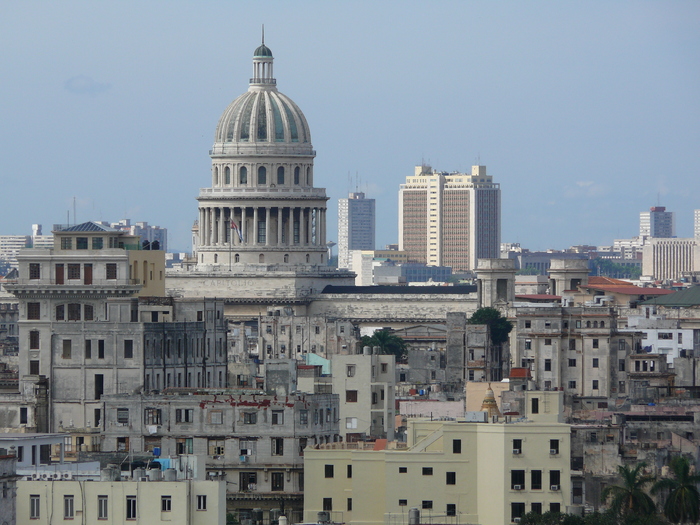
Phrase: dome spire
{"type": "Point", "coordinates": [262, 65]}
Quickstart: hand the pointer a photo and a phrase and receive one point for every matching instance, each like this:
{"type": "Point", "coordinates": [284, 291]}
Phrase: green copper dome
{"type": "Point", "coordinates": [263, 51]}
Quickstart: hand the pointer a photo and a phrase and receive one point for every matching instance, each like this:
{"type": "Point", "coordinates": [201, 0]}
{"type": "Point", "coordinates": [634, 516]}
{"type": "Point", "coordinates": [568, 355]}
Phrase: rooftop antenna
{"type": "Point", "coordinates": [263, 34]}
{"type": "Point", "coordinates": [74, 221]}
{"type": "Point", "coordinates": [356, 186]}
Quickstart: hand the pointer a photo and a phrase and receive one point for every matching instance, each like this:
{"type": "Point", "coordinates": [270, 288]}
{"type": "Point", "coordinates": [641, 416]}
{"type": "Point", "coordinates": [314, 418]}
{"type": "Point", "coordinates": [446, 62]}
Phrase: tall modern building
{"type": "Point", "coordinates": [262, 206]}
{"type": "Point", "coordinates": [450, 219]}
{"type": "Point", "coordinates": [355, 226]}
{"type": "Point", "coordinates": [696, 223]}
{"type": "Point", "coordinates": [657, 222]}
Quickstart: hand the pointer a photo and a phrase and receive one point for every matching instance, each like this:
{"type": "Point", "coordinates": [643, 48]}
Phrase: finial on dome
{"type": "Point", "coordinates": [263, 34]}
{"type": "Point", "coordinates": [489, 404]}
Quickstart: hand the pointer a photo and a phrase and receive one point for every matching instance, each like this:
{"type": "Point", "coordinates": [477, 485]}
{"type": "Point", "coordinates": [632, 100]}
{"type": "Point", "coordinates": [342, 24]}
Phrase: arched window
{"type": "Point", "coordinates": [308, 176]}
{"type": "Point", "coordinates": [602, 324]}
{"type": "Point", "coordinates": [236, 258]}
{"type": "Point", "coordinates": [243, 179]}
{"type": "Point", "coordinates": [227, 175]}
{"type": "Point", "coordinates": [296, 175]}
{"type": "Point", "coordinates": [280, 175]}
{"type": "Point", "coordinates": [286, 257]}
{"type": "Point", "coordinates": [216, 175]}
{"type": "Point", "coordinates": [216, 257]}
{"type": "Point", "coordinates": [261, 258]}
{"type": "Point", "coordinates": [595, 324]}
{"type": "Point", "coordinates": [308, 257]}
{"type": "Point", "coordinates": [588, 324]}
{"type": "Point", "coordinates": [262, 175]}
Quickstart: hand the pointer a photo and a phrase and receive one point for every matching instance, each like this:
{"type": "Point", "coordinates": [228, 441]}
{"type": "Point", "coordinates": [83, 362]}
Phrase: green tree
{"type": "Point", "coordinates": [388, 343]}
{"type": "Point", "coordinates": [499, 326]}
{"type": "Point", "coordinates": [629, 498]}
{"type": "Point", "coordinates": [682, 503]}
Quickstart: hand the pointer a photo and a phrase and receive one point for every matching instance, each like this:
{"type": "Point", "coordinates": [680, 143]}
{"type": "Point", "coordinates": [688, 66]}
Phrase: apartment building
{"type": "Point", "coordinates": [355, 226]}
{"type": "Point", "coordinates": [490, 472]}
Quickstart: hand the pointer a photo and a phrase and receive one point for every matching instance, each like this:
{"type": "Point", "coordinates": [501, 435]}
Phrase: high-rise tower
{"type": "Point", "coordinates": [450, 219]}
{"type": "Point", "coordinates": [355, 226]}
{"type": "Point", "coordinates": [262, 206]}
{"type": "Point", "coordinates": [657, 222]}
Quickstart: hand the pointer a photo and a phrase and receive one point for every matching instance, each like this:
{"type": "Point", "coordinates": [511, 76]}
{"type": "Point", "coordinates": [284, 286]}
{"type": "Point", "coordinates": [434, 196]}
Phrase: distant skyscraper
{"type": "Point", "coordinates": [696, 224]}
{"type": "Point", "coordinates": [355, 226]}
{"type": "Point", "coordinates": [450, 219]}
{"type": "Point", "coordinates": [657, 222]}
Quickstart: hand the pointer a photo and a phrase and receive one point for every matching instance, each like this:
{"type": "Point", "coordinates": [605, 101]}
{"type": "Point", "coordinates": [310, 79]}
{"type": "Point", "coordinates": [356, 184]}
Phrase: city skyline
{"type": "Point", "coordinates": [586, 114]}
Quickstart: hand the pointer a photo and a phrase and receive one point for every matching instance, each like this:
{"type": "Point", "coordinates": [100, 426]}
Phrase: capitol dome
{"type": "Point", "coordinates": [263, 116]}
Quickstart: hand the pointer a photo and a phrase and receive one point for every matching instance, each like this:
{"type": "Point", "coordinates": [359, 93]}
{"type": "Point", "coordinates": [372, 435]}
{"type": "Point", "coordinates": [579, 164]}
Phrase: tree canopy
{"type": "Point", "coordinates": [630, 498]}
{"type": "Point", "coordinates": [682, 503]}
{"type": "Point", "coordinates": [499, 326]}
{"type": "Point", "coordinates": [387, 341]}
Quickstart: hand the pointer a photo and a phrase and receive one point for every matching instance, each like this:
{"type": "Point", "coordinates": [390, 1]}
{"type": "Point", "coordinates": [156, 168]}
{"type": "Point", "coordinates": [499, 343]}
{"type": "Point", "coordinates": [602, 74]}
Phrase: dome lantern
{"type": "Point", "coordinates": [262, 65]}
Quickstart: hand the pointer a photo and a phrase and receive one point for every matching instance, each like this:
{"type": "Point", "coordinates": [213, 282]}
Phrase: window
{"type": "Point", "coordinates": [554, 480]}
{"type": "Point", "coordinates": [350, 370]}
{"type": "Point", "coordinates": [351, 396]}
{"type": "Point", "coordinates": [536, 508]}
{"type": "Point", "coordinates": [74, 271]}
{"type": "Point", "coordinates": [517, 480]}
{"type": "Point", "coordinates": [81, 243]}
{"type": "Point", "coordinates": [184, 415]}
{"type": "Point", "coordinates": [547, 342]}
{"type": "Point", "coordinates": [517, 511]}
{"type": "Point", "coordinates": [403, 470]}
{"type": "Point", "coordinates": [385, 368]}
{"type": "Point", "coordinates": [243, 175]}
{"type": "Point", "coordinates": [216, 417]}
{"type": "Point", "coordinates": [296, 175]}
{"type": "Point", "coordinates": [34, 506]}
{"type": "Point", "coordinates": [74, 312]}
{"type": "Point", "coordinates": [426, 504]}
{"type": "Point", "coordinates": [111, 271]}
{"type": "Point", "coordinates": [101, 349]}
{"type": "Point", "coordinates": [572, 344]}
{"type": "Point", "coordinates": [34, 367]}
{"type": "Point", "coordinates": [554, 446]}
{"type": "Point", "coordinates": [427, 471]}
{"type": "Point", "coordinates": [547, 365]}
{"type": "Point", "coordinates": [216, 446]}
{"type": "Point", "coordinates": [517, 446]}
{"type": "Point", "coordinates": [328, 471]}
{"type": "Point", "coordinates": [277, 446]}
{"type": "Point", "coordinates": [280, 175]}
{"type": "Point", "coordinates": [68, 507]}
{"type": "Point", "coordinates": [535, 404]}
{"type": "Point", "coordinates": [23, 415]}
{"type": "Point", "coordinates": [97, 243]}
{"type": "Point", "coordinates": [250, 418]}
{"type": "Point", "coordinates": [60, 312]}
{"type": "Point", "coordinates": [680, 337]}
{"type": "Point", "coordinates": [89, 312]}
{"type": "Point", "coordinates": [572, 384]}
{"type": "Point", "coordinates": [572, 362]}
{"type": "Point", "coordinates": [349, 471]}
{"type": "Point", "coordinates": [34, 271]}
{"type": "Point", "coordinates": [102, 507]}
{"type": "Point", "coordinates": [621, 365]}
{"type": "Point", "coordinates": [202, 502]}
{"type": "Point", "coordinates": [66, 243]}
{"type": "Point", "coordinates": [33, 310]}
{"type": "Point", "coordinates": [166, 503]}
{"type": "Point", "coordinates": [278, 417]}
{"type": "Point", "coordinates": [621, 387]}
{"type": "Point", "coordinates": [535, 480]}
{"type": "Point", "coordinates": [665, 335]}
{"type": "Point", "coordinates": [152, 416]}
{"type": "Point", "coordinates": [450, 478]}
{"type": "Point", "coordinates": [555, 507]}
{"type": "Point", "coordinates": [303, 417]}
{"type": "Point", "coordinates": [328, 504]}
{"type": "Point", "coordinates": [456, 446]}
{"type": "Point", "coordinates": [451, 509]}
{"type": "Point", "coordinates": [595, 384]}
{"type": "Point", "coordinates": [277, 481]}
{"type": "Point", "coordinates": [34, 340]}
{"type": "Point", "coordinates": [528, 324]}
{"type": "Point", "coordinates": [67, 349]}
{"type": "Point", "coordinates": [528, 344]}
{"type": "Point", "coordinates": [123, 416]}
{"type": "Point", "coordinates": [131, 507]}
{"type": "Point", "coordinates": [595, 362]}
{"type": "Point", "coordinates": [128, 349]}
{"type": "Point", "coordinates": [595, 343]}
{"type": "Point", "coordinates": [349, 504]}
{"type": "Point", "coordinates": [403, 502]}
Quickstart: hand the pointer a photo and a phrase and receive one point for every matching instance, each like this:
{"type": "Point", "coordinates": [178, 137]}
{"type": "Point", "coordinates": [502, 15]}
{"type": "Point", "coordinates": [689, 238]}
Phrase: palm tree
{"type": "Point", "coordinates": [388, 342]}
{"type": "Point", "coordinates": [683, 501]}
{"type": "Point", "coordinates": [630, 497]}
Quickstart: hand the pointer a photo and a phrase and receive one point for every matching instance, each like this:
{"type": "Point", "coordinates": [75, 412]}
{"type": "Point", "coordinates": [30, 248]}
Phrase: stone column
{"type": "Point", "coordinates": [267, 226]}
{"type": "Point", "coordinates": [290, 225]}
{"type": "Point", "coordinates": [222, 227]}
{"type": "Point", "coordinates": [244, 225]}
{"type": "Point", "coordinates": [256, 218]}
{"type": "Point", "coordinates": [308, 226]}
{"type": "Point", "coordinates": [233, 236]}
{"type": "Point", "coordinates": [279, 226]}
{"type": "Point", "coordinates": [209, 234]}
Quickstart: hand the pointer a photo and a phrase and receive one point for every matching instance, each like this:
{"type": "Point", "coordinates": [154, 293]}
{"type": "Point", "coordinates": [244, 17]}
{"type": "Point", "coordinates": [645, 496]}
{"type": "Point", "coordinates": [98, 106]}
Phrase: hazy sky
{"type": "Point", "coordinates": [586, 112]}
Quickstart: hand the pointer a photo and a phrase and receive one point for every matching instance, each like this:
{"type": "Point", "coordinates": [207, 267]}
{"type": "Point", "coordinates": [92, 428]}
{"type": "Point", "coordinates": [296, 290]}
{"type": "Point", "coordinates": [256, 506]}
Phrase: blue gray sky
{"type": "Point", "coordinates": [587, 113]}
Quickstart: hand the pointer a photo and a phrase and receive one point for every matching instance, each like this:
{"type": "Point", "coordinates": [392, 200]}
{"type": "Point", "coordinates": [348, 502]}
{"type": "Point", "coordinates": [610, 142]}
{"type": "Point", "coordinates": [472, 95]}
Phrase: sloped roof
{"type": "Point", "coordinates": [689, 297]}
{"type": "Point", "coordinates": [627, 289]}
{"type": "Point", "coordinates": [90, 226]}
{"type": "Point", "coordinates": [538, 297]}
{"type": "Point", "coordinates": [520, 373]}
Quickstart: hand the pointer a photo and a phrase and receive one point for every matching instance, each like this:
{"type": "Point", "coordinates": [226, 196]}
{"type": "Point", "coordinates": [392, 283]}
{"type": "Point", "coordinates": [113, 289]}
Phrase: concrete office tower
{"type": "Point", "coordinates": [450, 219]}
{"type": "Point", "coordinates": [696, 224]}
{"type": "Point", "coordinates": [657, 222]}
{"type": "Point", "coordinates": [355, 226]}
{"type": "Point", "coordinates": [262, 206]}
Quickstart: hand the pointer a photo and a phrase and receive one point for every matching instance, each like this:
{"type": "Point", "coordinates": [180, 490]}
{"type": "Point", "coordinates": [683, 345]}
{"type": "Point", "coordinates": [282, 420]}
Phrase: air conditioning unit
{"type": "Point", "coordinates": [145, 478]}
{"type": "Point", "coordinates": [517, 487]}
{"type": "Point", "coordinates": [516, 520]}
{"type": "Point", "coordinates": [517, 451]}
{"type": "Point", "coordinates": [553, 451]}
{"type": "Point", "coordinates": [554, 487]}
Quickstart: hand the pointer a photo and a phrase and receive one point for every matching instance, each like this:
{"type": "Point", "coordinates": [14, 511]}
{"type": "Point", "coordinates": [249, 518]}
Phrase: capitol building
{"type": "Point", "coordinates": [261, 230]}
